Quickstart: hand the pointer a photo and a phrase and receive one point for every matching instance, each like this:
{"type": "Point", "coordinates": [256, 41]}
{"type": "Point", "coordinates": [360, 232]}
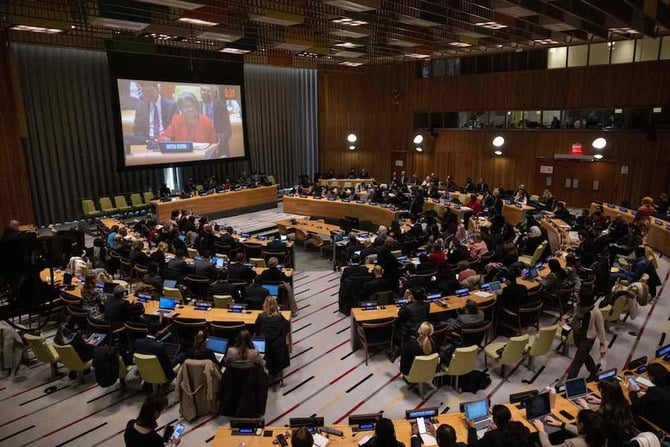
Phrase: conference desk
{"type": "Point", "coordinates": [442, 207]}
{"type": "Point", "coordinates": [446, 304]}
{"type": "Point", "coordinates": [593, 386]}
{"type": "Point", "coordinates": [336, 209]}
{"type": "Point", "coordinates": [403, 428]}
{"type": "Point", "coordinates": [217, 202]}
{"type": "Point", "coordinates": [515, 214]}
{"type": "Point", "coordinates": [658, 236]}
{"type": "Point", "coordinates": [344, 182]}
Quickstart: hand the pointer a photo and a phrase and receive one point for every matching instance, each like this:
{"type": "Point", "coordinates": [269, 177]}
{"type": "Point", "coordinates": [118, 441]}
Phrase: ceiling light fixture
{"type": "Point", "coordinates": [546, 41]}
{"type": "Point", "coordinates": [491, 25]}
{"type": "Point", "coordinates": [349, 22]}
{"type": "Point", "coordinates": [418, 139]}
{"type": "Point", "coordinates": [36, 29]}
{"type": "Point", "coordinates": [498, 141]}
{"type": "Point", "coordinates": [459, 44]}
{"type": "Point", "coordinates": [234, 50]}
{"type": "Point", "coordinates": [598, 156]}
{"type": "Point", "coordinates": [194, 21]}
{"type": "Point", "coordinates": [351, 64]}
{"type": "Point", "coordinates": [418, 149]}
{"type": "Point", "coordinates": [348, 45]}
{"type": "Point", "coordinates": [418, 56]}
{"type": "Point", "coordinates": [498, 152]}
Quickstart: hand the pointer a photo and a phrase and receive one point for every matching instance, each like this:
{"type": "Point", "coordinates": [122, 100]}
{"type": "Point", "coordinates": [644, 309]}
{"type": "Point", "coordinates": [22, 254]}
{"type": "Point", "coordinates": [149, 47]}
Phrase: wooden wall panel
{"type": "Point", "coordinates": [15, 198]}
{"type": "Point", "coordinates": [378, 103]}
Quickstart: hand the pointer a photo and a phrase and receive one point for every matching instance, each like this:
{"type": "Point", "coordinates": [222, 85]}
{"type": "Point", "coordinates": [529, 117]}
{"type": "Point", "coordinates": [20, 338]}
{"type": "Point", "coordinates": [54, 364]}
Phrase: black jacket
{"type": "Point", "coordinates": [244, 390]}
{"type": "Point", "coordinates": [514, 434]}
{"type": "Point", "coordinates": [175, 269]}
{"type": "Point", "coordinates": [412, 315]}
{"type": "Point", "coordinates": [376, 285]}
{"type": "Point", "coordinates": [513, 296]}
{"type": "Point", "coordinates": [205, 269]}
{"type": "Point", "coordinates": [255, 296]}
{"type": "Point", "coordinates": [354, 270]}
{"type": "Point", "coordinates": [654, 406]}
{"type": "Point", "coordinates": [151, 346]}
{"type": "Point", "coordinates": [238, 272]}
{"type": "Point", "coordinates": [273, 274]}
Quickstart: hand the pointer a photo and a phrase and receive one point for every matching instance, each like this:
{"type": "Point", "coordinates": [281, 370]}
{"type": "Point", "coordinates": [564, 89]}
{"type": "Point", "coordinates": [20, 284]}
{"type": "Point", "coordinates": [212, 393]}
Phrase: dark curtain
{"type": "Point", "coordinates": [71, 147]}
{"type": "Point", "coordinates": [282, 113]}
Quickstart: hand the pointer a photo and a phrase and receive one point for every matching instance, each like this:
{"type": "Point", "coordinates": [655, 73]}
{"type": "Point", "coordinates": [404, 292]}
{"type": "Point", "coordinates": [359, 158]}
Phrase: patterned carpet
{"type": "Point", "coordinates": [325, 378]}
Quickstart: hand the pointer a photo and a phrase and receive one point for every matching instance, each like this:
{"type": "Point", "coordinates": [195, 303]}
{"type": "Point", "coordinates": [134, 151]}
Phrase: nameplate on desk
{"type": "Point", "coordinates": [176, 147]}
{"type": "Point", "coordinates": [457, 206]}
{"type": "Point", "coordinates": [346, 200]}
{"type": "Point", "coordinates": [611, 205]}
{"type": "Point", "coordinates": [658, 222]}
{"type": "Point", "coordinates": [373, 203]}
{"type": "Point", "coordinates": [667, 227]}
{"type": "Point", "coordinates": [368, 306]}
{"type": "Point", "coordinates": [303, 196]}
{"type": "Point", "coordinates": [203, 306]}
{"type": "Point", "coordinates": [360, 201]}
{"type": "Point", "coordinates": [332, 199]}
{"type": "Point", "coordinates": [622, 209]}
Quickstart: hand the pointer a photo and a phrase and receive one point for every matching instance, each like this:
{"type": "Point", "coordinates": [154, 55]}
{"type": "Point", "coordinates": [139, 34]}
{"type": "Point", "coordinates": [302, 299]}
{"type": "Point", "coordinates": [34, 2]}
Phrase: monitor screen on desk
{"type": "Point", "coordinates": [537, 406]}
{"type": "Point", "coordinates": [476, 410]}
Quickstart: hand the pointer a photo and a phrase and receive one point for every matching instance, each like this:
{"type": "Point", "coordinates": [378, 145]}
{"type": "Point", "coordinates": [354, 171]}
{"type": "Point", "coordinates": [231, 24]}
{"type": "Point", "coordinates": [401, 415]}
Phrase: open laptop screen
{"type": "Point", "coordinates": [476, 410]}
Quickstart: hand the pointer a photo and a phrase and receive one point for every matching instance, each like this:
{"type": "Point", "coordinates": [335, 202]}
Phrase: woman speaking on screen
{"type": "Point", "coordinates": [189, 124]}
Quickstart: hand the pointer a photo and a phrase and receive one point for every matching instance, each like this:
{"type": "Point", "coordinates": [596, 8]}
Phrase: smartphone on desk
{"type": "Point", "coordinates": [178, 431]}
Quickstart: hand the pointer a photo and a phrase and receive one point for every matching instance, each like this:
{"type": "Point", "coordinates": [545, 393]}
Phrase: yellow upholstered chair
{"type": "Point", "coordinates": [540, 343]}
{"type": "Point", "coordinates": [150, 370]}
{"type": "Point", "coordinates": [223, 301]}
{"type": "Point", "coordinates": [69, 357]}
{"type": "Point", "coordinates": [192, 252]}
{"type": "Point", "coordinates": [121, 204]}
{"type": "Point", "coordinates": [463, 361]}
{"type": "Point", "coordinates": [44, 352]}
{"type": "Point", "coordinates": [530, 261]}
{"type": "Point", "coordinates": [512, 352]}
{"type": "Point", "coordinates": [88, 207]}
{"type": "Point", "coordinates": [136, 201]}
{"type": "Point", "coordinates": [424, 369]}
{"type": "Point", "coordinates": [148, 197]}
{"type": "Point", "coordinates": [106, 206]}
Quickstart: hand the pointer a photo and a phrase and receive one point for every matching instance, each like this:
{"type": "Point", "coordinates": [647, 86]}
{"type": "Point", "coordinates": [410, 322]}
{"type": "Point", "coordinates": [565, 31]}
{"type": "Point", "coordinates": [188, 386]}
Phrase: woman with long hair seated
{"type": "Point", "coordinates": [384, 435]}
{"type": "Point", "coordinates": [421, 345]}
{"type": "Point", "coordinates": [141, 432]}
{"type": "Point", "coordinates": [588, 430]}
{"type": "Point", "coordinates": [199, 350]}
{"type": "Point", "coordinates": [243, 350]}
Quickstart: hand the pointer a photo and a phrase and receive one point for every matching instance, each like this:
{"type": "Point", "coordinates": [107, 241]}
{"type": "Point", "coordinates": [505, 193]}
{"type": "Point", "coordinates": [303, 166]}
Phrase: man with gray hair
{"type": "Point", "coordinates": [12, 230]}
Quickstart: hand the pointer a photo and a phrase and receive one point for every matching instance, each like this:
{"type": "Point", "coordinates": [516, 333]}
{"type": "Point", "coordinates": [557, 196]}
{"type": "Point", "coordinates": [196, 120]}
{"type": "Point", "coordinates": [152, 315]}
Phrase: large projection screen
{"type": "Point", "coordinates": [166, 123]}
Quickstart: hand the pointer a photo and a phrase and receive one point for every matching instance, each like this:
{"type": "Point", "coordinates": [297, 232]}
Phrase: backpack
{"type": "Point", "coordinates": [106, 365]}
{"type": "Point", "coordinates": [474, 381]}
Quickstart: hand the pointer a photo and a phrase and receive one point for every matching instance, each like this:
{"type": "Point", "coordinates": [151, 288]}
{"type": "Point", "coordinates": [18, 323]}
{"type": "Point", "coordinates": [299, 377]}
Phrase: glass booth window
{"type": "Point", "coordinates": [473, 120]}
{"type": "Point", "coordinates": [532, 119]}
{"type": "Point", "coordinates": [551, 119]}
{"type": "Point", "coordinates": [577, 55]}
{"type": "Point", "coordinates": [622, 51]}
{"type": "Point", "coordinates": [599, 53]}
{"type": "Point", "coordinates": [497, 119]}
{"type": "Point", "coordinates": [647, 49]}
{"type": "Point", "coordinates": [515, 119]}
{"type": "Point", "coordinates": [557, 57]}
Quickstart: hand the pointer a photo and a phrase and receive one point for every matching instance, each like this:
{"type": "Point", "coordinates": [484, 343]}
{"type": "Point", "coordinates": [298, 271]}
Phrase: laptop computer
{"type": "Point", "coordinates": [95, 338]}
{"type": "Point", "coordinates": [273, 289]}
{"type": "Point", "coordinates": [477, 414]}
{"type": "Point", "coordinates": [171, 283]}
{"type": "Point", "coordinates": [538, 408]}
{"type": "Point", "coordinates": [166, 305]}
{"type": "Point", "coordinates": [219, 346]}
{"type": "Point", "coordinates": [608, 374]}
{"type": "Point", "coordinates": [259, 343]}
{"type": "Point", "coordinates": [575, 388]}
{"type": "Point", "coordinates": [662, 352]}
{"type": "Point", "coordinates": [530, 273]}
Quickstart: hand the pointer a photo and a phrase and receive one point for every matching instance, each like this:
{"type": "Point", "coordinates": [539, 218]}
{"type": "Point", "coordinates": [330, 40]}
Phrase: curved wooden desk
{"type": "Point", "coordinates": [340, 182]}
{"type": "Point", "coordinates": [218, 202]}
{"type": "Point", "coordinates": [336, 209]}
{"type": "Point", "coordinates": [513, 214]}
{"type": "Point", "coordinates": [658, 236]}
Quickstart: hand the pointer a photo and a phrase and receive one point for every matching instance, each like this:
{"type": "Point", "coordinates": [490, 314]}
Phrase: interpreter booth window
{"type": "Point", "coordinates": [557, 57]}
{"type": "Point", "coordinates": [551, 119]}
{"type": "Point", "coordinates": [532, 119]}
{"type": "Point", "coordinates": [665, 48]}
{"type": "Point", "coordinates": [647, 49]}
{"type": "Point", "coordinates": [622, 51]}
{"type": "Point", "coordinates": [574, 119]}
{"type": "Point", "coordinates": [473, 120]}
{"type": "Point", "coordinates": [515, 119]}
{"type": "Point", "coordinates": [497, 119]}
{"type": "Point", "coordinates": [577, 55]}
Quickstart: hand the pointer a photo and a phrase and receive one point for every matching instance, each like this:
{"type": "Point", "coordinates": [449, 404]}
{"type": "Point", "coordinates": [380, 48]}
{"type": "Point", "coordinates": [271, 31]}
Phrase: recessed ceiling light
{"type": "Point", "coordinates": [222, 37]}
{"type": "Point", "coordinates": [351, 64]}
{"type": "Point", "coordinates": [491, 25]}
{"type": "Point", "coordinates": [118, 24]}
{"type": "Point", "coordinates": [348, 45]}
{"type": "Point", "coordinates": [193, 21]}
{"type": "Point", "coordinates": [36, 29]}
{"type": "Point", "coordinates": [181, 4]}
{"type": "Point", "coordinates": [350, 22]}
{"type": "Point", "coordinates": [418, 56]}
{"type": "Point", "coordinates": [546, 41]}
{"type": "Point", "coordinates": [499, 45]}
{"type": "Point", "coordinates": [624, 30]}
{"type": "Point", "coordinates": [233, 51]}
{"type": "Point", "coordinates": [498, 153]}
{"type": "Point", "coordinates": [459, 44]}
{"type": "Point", "coordinates": [598, 156]}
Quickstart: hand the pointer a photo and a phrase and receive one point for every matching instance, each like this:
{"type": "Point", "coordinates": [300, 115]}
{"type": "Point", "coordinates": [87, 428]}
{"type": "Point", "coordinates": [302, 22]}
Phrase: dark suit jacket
{"type": "Point", "coordinates": [273, 274]}
{"type": "Point", "coordinates": [355, 270]}
{"type": "Point", "coordinates": [139, 257]}
{"type": "Point", "coordinates": [412, 315]}
{"type": "Point", "coordinates": [375, 285]}
{"type": "Point", "coordinates": [141, 124]}
{"type": "Point", "coordinates": [116, 311]}
{"type": "Point", "coordinates": [255, 296]}
{"type": "Point", "coordinates": [225, 288]}
{"type": "Point", "coordinates": [276, 245]}
{"type": "Point", "coordinates": [151, 346]}
{"type": "Point", "coordinates": [204, 268]}
{"type": "Point", "coordinates": [240, 272]}
{"type": "Point", "coordinates": [221, 120]}
{"type": "Point", "coordinates": [175, 269]}
{"type": "Point", "coordinates": [513, 296]}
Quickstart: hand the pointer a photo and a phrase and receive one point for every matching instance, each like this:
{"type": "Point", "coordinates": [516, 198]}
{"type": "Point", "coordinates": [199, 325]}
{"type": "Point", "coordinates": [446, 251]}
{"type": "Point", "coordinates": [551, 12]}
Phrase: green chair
{"type": "Point", "coordinates": [423, 371]}
{"type": "Point", "coordinates": [43, 351]}
{"type": "Point", "coordinates": [106, 206]}
{"type": "Point", "coordinates": [271, 179]}
{"type": "Point", "coordinates": [530, 261]}
{"type": "Point", "coordinates": [512, 352]}
{"type": "Point", "coordinates": [121, 204]}
{"type": "Point", "coordinates": [148, 197]}
{"type": "Point", "coordinates": [540, 343]}
{"type": "Point", "coordinates": [463, 361]}
{"type": "Point", "coordinates": [136, 201]}
{"type": "Point", "coordinates": [88, 207]}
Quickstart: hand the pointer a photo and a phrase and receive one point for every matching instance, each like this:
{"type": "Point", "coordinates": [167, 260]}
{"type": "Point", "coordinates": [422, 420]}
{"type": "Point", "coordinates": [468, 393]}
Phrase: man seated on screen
{"type": "Point", "coordinates": [217, 111]}
{"type": "Point", "coordinates": [154, 112]}
{"type": "Point", "coordinates": [189, 125]}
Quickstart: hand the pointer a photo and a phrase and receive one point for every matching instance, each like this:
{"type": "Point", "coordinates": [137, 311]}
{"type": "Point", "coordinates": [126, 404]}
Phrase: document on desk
{"type": "Point", "coordinates": [319, 440]}
{"type": "Point", "coordinates": [428, 440]}
{"type": "Point", "coordinates": [481, 294]}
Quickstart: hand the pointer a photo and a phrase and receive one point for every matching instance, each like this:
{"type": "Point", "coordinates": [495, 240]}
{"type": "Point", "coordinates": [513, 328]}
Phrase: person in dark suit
{"type": "Point", "coordinates": [414, 313]}
{"type": "Point", "coordinates": [137, 254]}
{"type": "Point", "coordinates": [204, 267]}
{"type": "Point", "coordinates": [222, 287]}
{"type": "Point", "coordinates": [154, 112]}
{"type": "Point", "coordinates": [254, 295]}
{"type": "Point", "coordinates": [273, 274]}
{"type": "Point", "coordinates": [226, 238]}
{"type": "Point", "coordinates": [514, 295]}
{"type": "Point", "coordinates": [355, 269]}
{"type": "Point", "coordinates": [153, 278]}
{"type": "Point", "coordinates": [176, 268]}
{"type": "Point", "coordinates": [149, 345]}
{"type": "Point", "coordinates": [217, 112]}
{"type": "Point", "coordinates": [238, 272]}
{"type": "Point", "coordinates": [276, 244]}
{"type": "Point", "coordinates": [378, 284]}
{"type": "Point", "coordinates": [116, 307]}
{"type": "Point", "coordinates": [506, 433]}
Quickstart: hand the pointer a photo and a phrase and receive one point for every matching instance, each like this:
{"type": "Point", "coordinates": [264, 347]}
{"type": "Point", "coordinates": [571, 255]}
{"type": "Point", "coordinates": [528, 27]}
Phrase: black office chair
{"type": "Point", "coordinates": [244, 390]}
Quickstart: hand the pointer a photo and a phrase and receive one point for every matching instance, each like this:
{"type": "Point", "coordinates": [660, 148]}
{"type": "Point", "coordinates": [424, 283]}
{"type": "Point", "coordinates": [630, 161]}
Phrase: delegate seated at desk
{"type": "Point", "coordinates": [507, 433]}
{"type": "Point", "coordinates": [149, 345]}
{"type": "Point", "coordinates": [272, 273]}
